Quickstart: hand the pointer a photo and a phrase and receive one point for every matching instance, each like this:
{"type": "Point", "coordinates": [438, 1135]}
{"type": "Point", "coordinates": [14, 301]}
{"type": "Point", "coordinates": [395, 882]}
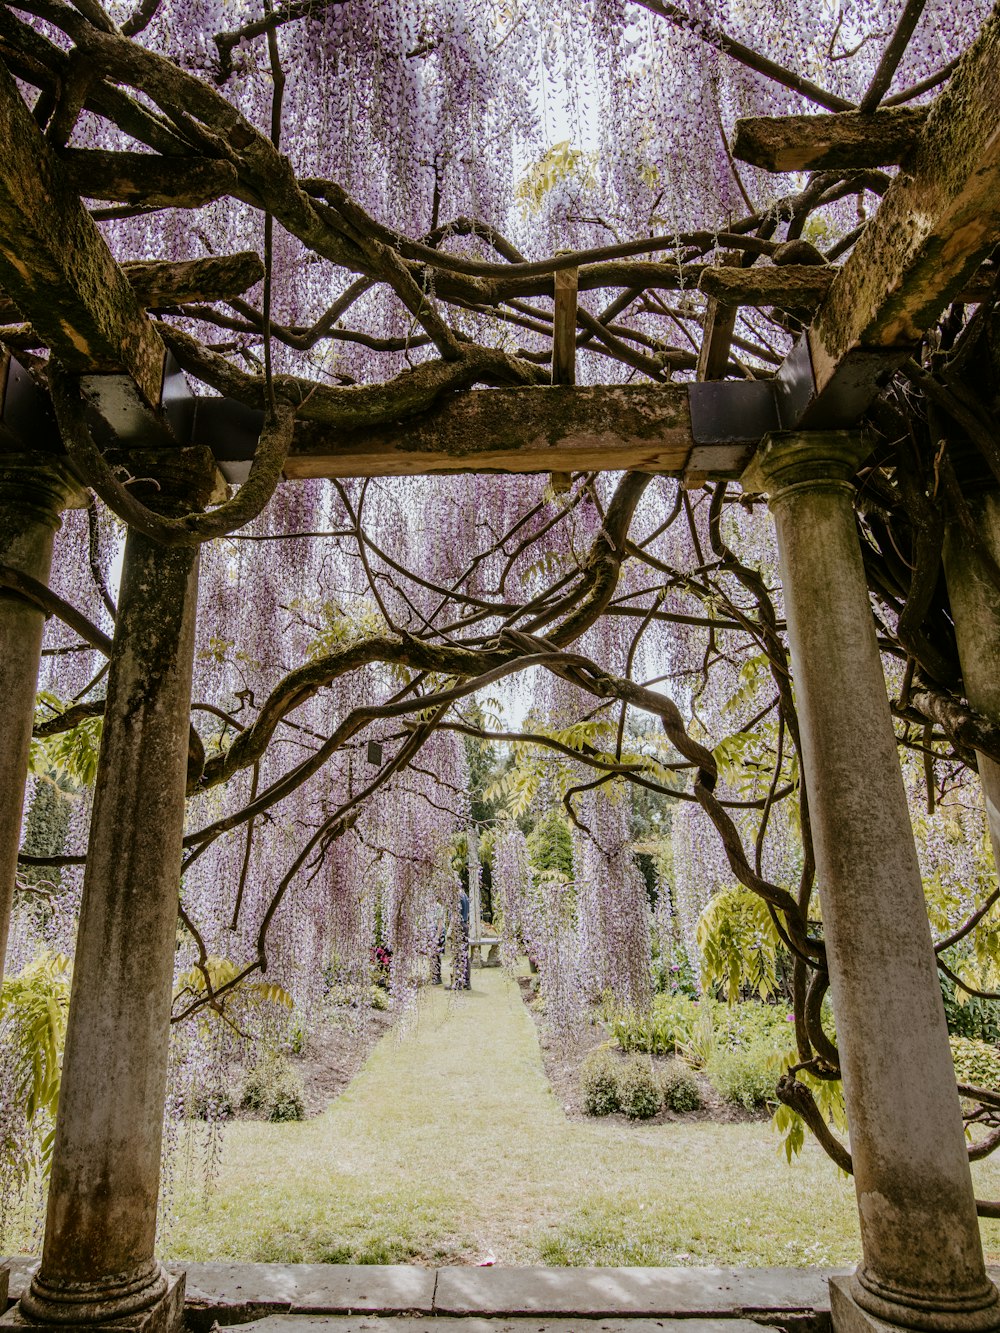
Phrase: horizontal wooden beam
{"type": "Point", "coordinates": [56, 266]}
{"type": "Point", "coordinates": [557, 429]}
{"type": "Point", "coordinates": [653, 428]}
{"type": "Point", "coordinates": [160, 283]}
{"type": "Point", "coordinates": [840, 142]}
{"type": "Point", "coordinates": [147, 178]}
{"type": "Point", "coordinates": [790, 286]}
{"type": "Point", "coordinates": [937, 223]}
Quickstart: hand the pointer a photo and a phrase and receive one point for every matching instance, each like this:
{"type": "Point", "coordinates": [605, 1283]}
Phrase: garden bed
{"type": "Point", "coordinates": [335, 1052]}
{"type": "Point", "coordinates": [562, 1063]}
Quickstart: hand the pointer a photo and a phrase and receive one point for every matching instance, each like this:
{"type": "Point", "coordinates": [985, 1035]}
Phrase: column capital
{"type": "Point", "coordinates": [40, 483]}
{"type": "Point", "coordinates": [812, 457]}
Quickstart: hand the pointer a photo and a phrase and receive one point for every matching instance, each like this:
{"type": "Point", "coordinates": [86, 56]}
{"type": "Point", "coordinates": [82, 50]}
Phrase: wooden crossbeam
{"type": "Point", "coordinates": [56, 266]}
{"type": "Point", "coordinates": [654, 428]}
{"type": "Point", "coordinates": [718, 324]}
{"type": "Point", "coordinates": [160, 284]}
{"type": "Point", "coordinates": [937, 223]}
{"type": "Point", "coordinates": [557, 429]}
{"type": "Point", "coordinates": [147, 178]}
{"type": "Point", "coordinates": [790, 286]}
{"type": "Point", "coordinates": [840, 142]}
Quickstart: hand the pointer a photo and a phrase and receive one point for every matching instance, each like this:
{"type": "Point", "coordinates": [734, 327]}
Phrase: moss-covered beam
{"type": "Point", "coordinates": [937, 223]}
{"type": "Point", "coordinates": [160, 284]}
{"type": "Point", "coordinates": [557, 429]}
{"type": "Point", "coordinates": [791, 286]}
{"type": "Point", "coordinates": [842, 142]}
{"type": "Point", "coordinates": [56, 266]}
{"type": "Point", "coordinates": [147, 178]}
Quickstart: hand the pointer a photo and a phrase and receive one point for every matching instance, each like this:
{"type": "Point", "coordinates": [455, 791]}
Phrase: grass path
{"type": "Point", "coordinates": [450, 1147]}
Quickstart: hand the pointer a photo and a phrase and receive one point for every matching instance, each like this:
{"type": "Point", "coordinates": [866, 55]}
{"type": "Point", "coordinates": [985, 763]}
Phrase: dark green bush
{"type": "Point", "coordinates": [639, 1093]}
{"type": "Point", "coordinates": [680, 1088]}
{"type": "Point", "coordinates": [599, 1082]}
{"type": "Point", "coordinates": [746, 1076]}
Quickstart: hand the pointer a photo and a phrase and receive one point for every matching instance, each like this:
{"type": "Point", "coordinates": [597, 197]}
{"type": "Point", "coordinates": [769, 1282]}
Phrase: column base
{"type": "Point", "coordinates": [166, 1316]}
{"type": "Point", "coordinates": [849, 1317]}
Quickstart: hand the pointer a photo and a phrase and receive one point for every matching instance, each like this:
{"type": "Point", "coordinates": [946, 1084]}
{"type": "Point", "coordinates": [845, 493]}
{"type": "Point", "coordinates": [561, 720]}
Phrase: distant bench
{"type": "Point", "coordinates": [492, 946]}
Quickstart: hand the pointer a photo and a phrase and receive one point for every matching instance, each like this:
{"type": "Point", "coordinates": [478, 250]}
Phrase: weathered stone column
{"type": "Point", "coordinates": [922, 1263]}
{"type": "Point", "coordinates": [98, 1259]}
{"type": "Point", "coordinates": [34, 488]}
{"type": "Point", "coordinates": [975, 605]}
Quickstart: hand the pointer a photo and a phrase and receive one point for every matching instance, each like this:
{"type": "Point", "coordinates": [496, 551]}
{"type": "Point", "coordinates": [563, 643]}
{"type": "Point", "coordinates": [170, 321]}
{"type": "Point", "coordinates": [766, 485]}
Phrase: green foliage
{"type": "Point", "coordinates": [968, 1015]}
{"type": "Point", "coordinates": [745, 1076]}
{"type": "Point", "coordinates": [679, 1087]}
{"type": "Point", "coordinates": [45, 832]}
{"type": "Point", "coordinates": [550, 844]}
{"type": "Point", "coordinates": [33, 1011]}
{"type": "Point", "coordinates": [273, 1090]}
{"type": "Point", "coordinates": [193, 985]}
{"type": "Point", "coordinates": [739, 945]}
{"type": "Point", "coordinates": [70, 755]}
{"type": "Point", "coordinates": [562, 162]}
{"type": "Point", "coordinates": [976, 1063]}
{"type": "Point", "coordinates": [599, 1082]}
{"type": "Point", "coordinates": [379, 998]}
{"type": "Point", "coordinates": [639, 1093]}
{"type": "Point", "coordinates": [669, 1024]}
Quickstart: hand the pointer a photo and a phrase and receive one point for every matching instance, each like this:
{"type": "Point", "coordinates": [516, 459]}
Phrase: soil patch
{"type": "Point", "coordinates": [335, 1052]}
{"type": "Point", "coordinates": [562, 1063]}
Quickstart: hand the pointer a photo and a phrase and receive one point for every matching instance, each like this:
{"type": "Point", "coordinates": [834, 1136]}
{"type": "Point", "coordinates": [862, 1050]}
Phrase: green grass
{"type": "Point", "coordinates": [450, 1147]}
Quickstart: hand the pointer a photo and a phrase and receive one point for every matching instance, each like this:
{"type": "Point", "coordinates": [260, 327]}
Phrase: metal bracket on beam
{"type": "Point", "coordinates": [856, 381]}
{"type": "Point", "coordinates": [26, 416]}
{"type": "Point", "coordinates": [120, 415]}
{"type": "Point", "coordinates": [231, 430]}
{"type": "Point", "coordinates": [728, 420]}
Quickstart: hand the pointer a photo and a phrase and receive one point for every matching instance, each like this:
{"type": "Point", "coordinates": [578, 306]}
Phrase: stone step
{"type": "Point", "coordinates": [445, 1324]}
{"type": "Point", "coordinates": [457, 1297]}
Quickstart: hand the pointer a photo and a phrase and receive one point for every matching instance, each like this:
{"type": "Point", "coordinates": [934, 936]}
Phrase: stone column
{"type": "Point", "coordinates": [975, 605]}
{"type": "Point", "coordinates": [34, 488]}
{"type": "Point", "coordinates": [922, 1263]}
{"type": "Point", "coordinates": [98, 1259]}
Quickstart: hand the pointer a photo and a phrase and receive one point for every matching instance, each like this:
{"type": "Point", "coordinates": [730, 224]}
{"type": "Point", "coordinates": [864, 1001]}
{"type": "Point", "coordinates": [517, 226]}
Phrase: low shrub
{"type": "Point", "coordinates": [976, 1062]}
{"type": "Point", "coordinates": [273, 1090]}
{"type": "Point", "coordinates": [380, 998]}
{"type": "Point", "coordinates": [668, 1024]}
{"type": "Point", "coordinates": [639, 1092]}
{"type": "Point", "coordinates": [599, 1082]}
{"type": "Point", "coordinates": [745, 1076]}
{"type": "Point", "coordinates": [680, 1088]}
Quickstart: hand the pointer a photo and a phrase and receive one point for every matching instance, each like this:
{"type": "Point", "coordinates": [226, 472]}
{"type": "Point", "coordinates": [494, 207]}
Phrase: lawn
{"type": "Point", "coordinates": [449, 1147]}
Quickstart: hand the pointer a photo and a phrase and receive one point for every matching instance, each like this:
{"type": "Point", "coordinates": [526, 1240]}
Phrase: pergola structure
{"type": "Point", "coordinates": [795, 438]}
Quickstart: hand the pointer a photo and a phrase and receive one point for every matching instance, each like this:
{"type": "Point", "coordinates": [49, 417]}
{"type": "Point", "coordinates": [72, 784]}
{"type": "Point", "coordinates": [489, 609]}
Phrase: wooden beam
{"type": "Point", "coordinates": [564, 346]}
{"type": "Point", "coordinates": [937, 223]}
{"type": "Point", "coordinates": [718, 325]}
{"type": "Point", "coordinates": [839, 142]}
{"type": "Point", "coordinates": [793, 286]}
{"type": "Point", "coordinates": [146, 178]}
{"type": "Point", "coordinates": [56, 266]}
{"type": "Point", "coordinates": [160, 284]}
{"type": "Point", "coordinates": [557, 429]}
{"type": "Point", "coordinates": [564, 326]}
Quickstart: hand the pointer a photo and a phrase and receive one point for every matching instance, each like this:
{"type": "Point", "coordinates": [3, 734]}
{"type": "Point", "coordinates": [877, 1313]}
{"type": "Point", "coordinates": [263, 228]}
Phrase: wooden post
{"type": "Point", "coordinates": [564, 344]}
